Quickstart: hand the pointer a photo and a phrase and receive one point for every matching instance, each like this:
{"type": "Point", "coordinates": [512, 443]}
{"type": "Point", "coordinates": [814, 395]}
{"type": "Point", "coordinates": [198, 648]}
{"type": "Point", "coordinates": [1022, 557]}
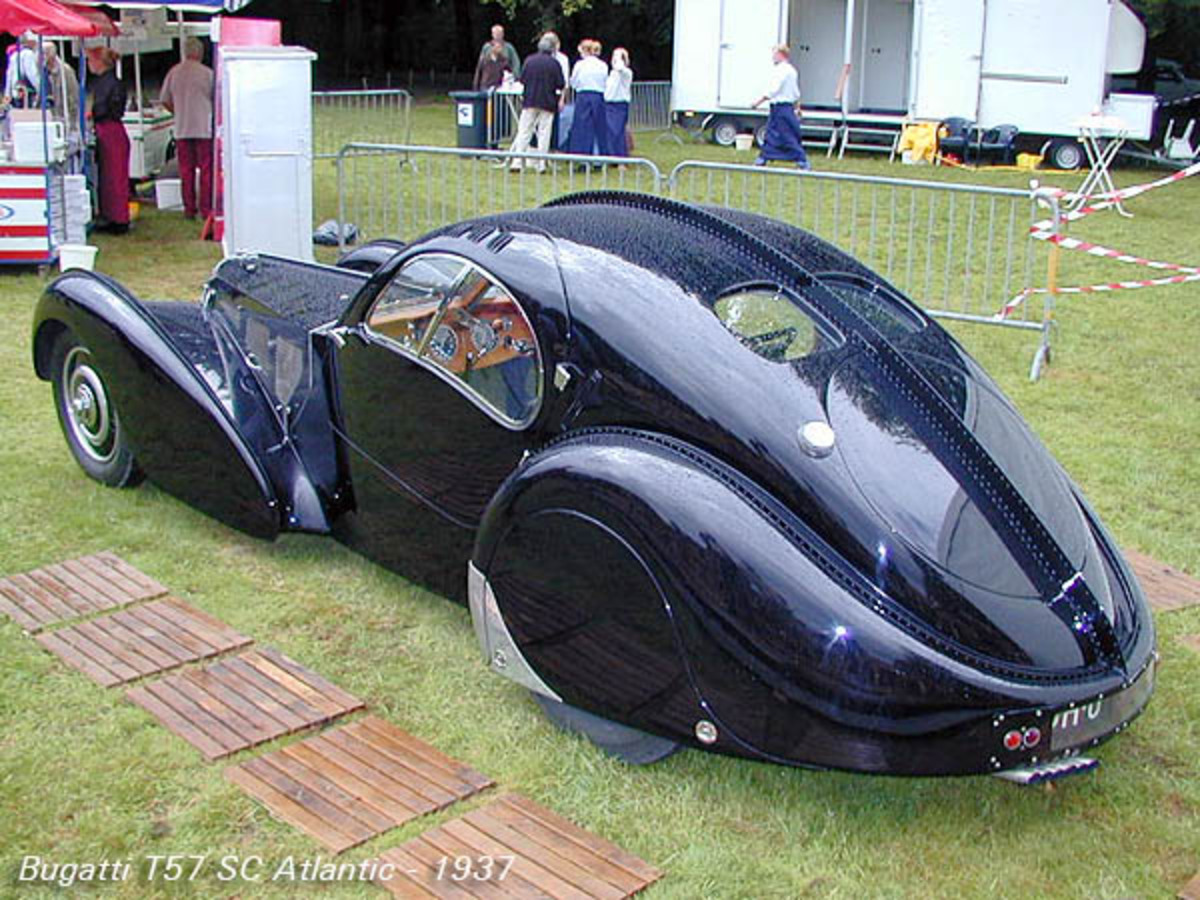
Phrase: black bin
{"type": "Point", "coordinates": [470, 112]}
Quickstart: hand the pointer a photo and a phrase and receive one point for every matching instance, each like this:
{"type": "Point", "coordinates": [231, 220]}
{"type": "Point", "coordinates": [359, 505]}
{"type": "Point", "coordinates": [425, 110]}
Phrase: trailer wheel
{"type": "Point", "coordinates": [1066, 154]}
{"type": "Point", "coordinates": [724, 132]}
{"type": "Point", "coordinates": [760, 135]}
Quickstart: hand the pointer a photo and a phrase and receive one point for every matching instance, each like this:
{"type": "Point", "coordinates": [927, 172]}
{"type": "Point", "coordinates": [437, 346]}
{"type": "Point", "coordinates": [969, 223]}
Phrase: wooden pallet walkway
{"type": "Point", "coordinates": [78, 587]}
{"type": "Point", "coordinates": [140, 641]}
{"type": "Point", "coordinates": [242, 701]}
{"type": "Point", "coordinates": [1191, 641]}
{"type": "Point", "coordinates": [354, 782]}
{"type": "Point", "coordinates": [1191, 890]}
{"type": "Point", "coordinates": [551, 857]}
{"type": "Point", "coordinates": [1166, 587]}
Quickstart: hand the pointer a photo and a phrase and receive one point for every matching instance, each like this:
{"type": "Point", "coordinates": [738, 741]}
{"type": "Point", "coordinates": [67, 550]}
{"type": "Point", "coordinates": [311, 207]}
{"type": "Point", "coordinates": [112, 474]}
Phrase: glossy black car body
{"type": "Point", "coordinates": [720, 483]}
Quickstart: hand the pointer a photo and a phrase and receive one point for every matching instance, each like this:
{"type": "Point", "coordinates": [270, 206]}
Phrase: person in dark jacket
{"type": "Point", "coordinates": [543, 81]}
{"type": "Point", "coordinates": [112, 143]}
{"type": "Point", "coordinates": [489, 73]}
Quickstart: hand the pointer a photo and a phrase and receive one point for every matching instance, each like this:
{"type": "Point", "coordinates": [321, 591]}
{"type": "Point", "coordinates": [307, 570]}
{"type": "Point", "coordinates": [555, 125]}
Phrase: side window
{"type": "Point", "coordinates": [454, 317]}
{"type": "Point", "coordinates": [775, 327]}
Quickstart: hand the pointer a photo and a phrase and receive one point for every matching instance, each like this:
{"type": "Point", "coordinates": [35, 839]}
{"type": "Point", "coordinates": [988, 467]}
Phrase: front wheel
{"type": "Point", "coordinates": [88, 416]}
{"type": "Point", "coordinates": [1066, 154]}
{"type": "Point", "coordinates": [725, 132]}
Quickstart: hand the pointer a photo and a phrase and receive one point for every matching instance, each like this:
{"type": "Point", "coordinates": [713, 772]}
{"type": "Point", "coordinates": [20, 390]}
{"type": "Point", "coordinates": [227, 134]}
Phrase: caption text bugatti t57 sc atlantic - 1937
{"type": "Point", "coordinates": [703, 479]}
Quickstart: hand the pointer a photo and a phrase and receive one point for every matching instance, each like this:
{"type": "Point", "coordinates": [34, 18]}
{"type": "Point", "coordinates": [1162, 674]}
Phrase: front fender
{"type": "Point", "coordinates": [177, 428]}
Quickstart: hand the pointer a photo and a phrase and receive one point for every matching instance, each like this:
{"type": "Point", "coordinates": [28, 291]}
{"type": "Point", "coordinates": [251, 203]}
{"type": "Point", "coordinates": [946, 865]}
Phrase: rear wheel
{"type": "Point", "coordinates": [88, 416]}
{"type": "Point", "coordinates": [760, 134]}
{"type": "Point", "coordinates": [627, 744]}
{"type": "Point", "coordinates": [725, 132]}
{"type": "Point", "coordinates": [1066, 154]}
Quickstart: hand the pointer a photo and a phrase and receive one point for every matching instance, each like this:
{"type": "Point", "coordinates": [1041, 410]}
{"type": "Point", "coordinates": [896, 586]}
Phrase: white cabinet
{"type": "Point", "coordinates": [266, 150]}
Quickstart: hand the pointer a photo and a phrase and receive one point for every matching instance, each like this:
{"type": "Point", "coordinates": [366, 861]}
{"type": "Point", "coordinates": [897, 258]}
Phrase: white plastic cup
{"type": "Point", "coordinates": [76, 256]}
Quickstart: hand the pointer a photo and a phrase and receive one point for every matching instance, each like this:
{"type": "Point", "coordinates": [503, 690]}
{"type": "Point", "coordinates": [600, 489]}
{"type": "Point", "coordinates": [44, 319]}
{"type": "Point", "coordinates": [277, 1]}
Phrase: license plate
{"type": "Point", "coordinates": [1085, 722]}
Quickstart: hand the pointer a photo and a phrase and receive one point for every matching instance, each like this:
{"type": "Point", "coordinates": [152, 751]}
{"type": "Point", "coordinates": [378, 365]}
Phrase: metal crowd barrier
{"type": "Point", "coordinates": [383, 115]}
{"type": "Point", "coordinates": [403, 190]}
{"type": "Point", "coordinates": [960, 251]}
{"type": "Point", "coordinates": [650, 106]}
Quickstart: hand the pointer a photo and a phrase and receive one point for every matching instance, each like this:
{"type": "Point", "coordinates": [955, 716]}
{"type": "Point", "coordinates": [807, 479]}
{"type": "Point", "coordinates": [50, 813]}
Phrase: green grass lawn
{"type": "Point", "coordinates": [85, 776]}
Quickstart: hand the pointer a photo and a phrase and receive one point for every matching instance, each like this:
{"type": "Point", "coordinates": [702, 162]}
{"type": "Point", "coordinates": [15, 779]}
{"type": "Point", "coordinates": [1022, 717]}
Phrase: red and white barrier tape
{"type": "Point", "coordinates": [1044, 231]}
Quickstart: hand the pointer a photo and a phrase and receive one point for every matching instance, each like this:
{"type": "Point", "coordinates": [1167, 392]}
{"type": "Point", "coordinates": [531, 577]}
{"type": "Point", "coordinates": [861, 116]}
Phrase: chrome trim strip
{"type": "Point", "coordinates": [500, 651]}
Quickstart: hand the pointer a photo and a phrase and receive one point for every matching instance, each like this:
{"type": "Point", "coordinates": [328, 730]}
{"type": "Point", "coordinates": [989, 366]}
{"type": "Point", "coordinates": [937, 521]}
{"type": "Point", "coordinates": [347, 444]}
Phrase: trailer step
{"type": "Point", "coordinates": [1051, 771]}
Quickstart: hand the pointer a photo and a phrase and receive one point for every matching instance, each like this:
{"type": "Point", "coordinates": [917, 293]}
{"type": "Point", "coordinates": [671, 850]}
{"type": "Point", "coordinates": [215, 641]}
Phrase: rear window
{"type": "Point", "coordinates": [769, 322]}
{"type": "Point", "coordinates": [892, 316]}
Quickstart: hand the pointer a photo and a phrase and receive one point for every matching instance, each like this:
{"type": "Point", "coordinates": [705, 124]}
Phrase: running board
{"type": "Point", "coordinates": [1051, 771]}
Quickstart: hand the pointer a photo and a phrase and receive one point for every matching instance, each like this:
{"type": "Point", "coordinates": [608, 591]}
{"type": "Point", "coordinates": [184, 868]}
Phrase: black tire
{"type": "Point", "coordinates": [637, 748]}
{"type": "Point", "coordinates": [1066, 154]}
{"type": "Point", "coordinates": [88, 416]}
{"type": "Point", "coordinates": [724, 132]}
{"type": "Point", "coordinates": [760, 135]}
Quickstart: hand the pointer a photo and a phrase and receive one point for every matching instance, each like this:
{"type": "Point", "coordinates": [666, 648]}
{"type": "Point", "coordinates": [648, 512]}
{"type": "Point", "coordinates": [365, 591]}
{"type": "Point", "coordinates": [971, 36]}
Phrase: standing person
{"type": "Point", "coordinates": [544, 83]}
{"type": "Point", "coordinates": [559, 56]}
{"type": "Point", "coordinates": [510, 52]}
{"type": "Point", "coordinates": [23, 77]}
{"type": "Point", "coordinates": [618, 91]}
{"type": "Point", "coordinates": [62, 86]}
{"type": "Point", "coordinates": [187, 91]}
{"type": "Point", "coordinates": [112, 143]}
{"type": "Point", "coordinates": [589, 78]}
{"type": "Point", "coordinates": [489, 71]}
{"type": "Point", "coordinates": [783, 125]}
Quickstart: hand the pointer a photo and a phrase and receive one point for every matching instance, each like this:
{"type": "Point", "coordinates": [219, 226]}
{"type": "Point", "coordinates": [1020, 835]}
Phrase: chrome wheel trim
{"type": "Point", "coordinates": [90, 416]}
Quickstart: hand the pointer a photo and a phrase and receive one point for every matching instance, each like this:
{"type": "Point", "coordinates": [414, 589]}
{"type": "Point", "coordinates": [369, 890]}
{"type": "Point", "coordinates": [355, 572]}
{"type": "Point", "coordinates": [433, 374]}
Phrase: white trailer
{"type": "Point", "coordinates": [870, 65]}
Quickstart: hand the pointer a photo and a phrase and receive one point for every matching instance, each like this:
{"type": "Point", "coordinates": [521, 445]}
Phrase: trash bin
{"type": "Point", "coordinates": [470, 111]}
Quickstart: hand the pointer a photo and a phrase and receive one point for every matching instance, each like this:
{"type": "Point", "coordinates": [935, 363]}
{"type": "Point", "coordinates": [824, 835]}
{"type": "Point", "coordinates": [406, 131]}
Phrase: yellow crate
{"type": "Point", "coordinates": [1029, 160]}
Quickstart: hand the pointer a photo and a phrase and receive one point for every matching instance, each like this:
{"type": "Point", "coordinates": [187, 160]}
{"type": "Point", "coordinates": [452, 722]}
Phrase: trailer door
{"type": "Point", "coordinates": [886, 49]}
{"type": "Point", "coordinates": [749, 28]}
{"type": "Point", "coordinates": [818, 33]}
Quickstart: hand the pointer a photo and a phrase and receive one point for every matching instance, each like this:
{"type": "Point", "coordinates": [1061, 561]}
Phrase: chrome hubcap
{"type": "Point", "coordinates": [89, 415]}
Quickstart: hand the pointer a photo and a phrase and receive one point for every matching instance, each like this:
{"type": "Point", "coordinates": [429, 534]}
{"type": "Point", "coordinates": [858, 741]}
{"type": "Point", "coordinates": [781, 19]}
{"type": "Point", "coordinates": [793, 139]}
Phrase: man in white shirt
{"type": "Point", "coordinates": [783, 139]}
{"type": "Point", "coordinates": [23, 77]}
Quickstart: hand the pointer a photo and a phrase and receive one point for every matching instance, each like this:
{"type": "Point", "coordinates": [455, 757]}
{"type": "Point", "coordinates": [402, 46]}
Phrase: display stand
{"type": "Point", "coordinates": [1102, 138]}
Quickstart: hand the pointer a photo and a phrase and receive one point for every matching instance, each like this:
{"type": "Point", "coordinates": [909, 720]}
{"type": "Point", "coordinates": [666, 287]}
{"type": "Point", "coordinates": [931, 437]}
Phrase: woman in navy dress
{"type": "Point", "coordinates": [617, 93]}
{"type": "Point", "coordinates": [589, 78]}
{"type": "Point", "coordinates": [783, 125]}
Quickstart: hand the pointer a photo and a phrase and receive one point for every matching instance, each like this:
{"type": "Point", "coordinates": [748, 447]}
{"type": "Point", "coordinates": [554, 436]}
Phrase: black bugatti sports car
{"type": "Point", "coordinates": [704, 479]}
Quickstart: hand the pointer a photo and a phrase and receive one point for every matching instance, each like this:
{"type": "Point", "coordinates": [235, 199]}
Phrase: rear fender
{"type": "Point", "coordinates": [177, 428]}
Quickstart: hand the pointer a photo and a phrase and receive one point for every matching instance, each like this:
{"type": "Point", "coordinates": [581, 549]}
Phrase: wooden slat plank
{"type": "Point", "coordinates": [268, 704]}
{"type": "Point", "coordinates": [104, 595]}
{"type": "Point", "coordinates": [197, 716]}
{"type": "Point", "coordinates": [248, 733]}
{"type": "Point", "coordinates": [48, 599]}
{"type": "Point", "coordinates": [413, 880]}
{"type": "Point", "coordinates": [295, 685]}
{"type": "Point", "coordinates": [128, 655]}
{"type": "Point", "coordinates": [311, 678]}
{"type": "Point", "coordinates": [598, 845]}
{"type": "Point", "coordinates": [385, 745]}
{"type": "Point", "coordinates": [532, 871]}
{"type": "Point", "coordinates": [396, 737]}
{"type": "Point", "coordinates": [253, 722]}
{"type": "Point", "coordinates": [17, 613]}
{"type": "Point", "coordinates": [430, 858]}
{"type": "Point", "coordinates": [295, 704]}
{"type": "Point", "coordinates": [310, 754]}
{"type": "Point", "coordinates": [150, 586]}
{"type": "Point", "coordinates": [114, 577]}
{"type": "Point", "coordinates": [314, 779]}
{"type": "Point", "coordinates": [81, 605]}
{"type": "Point", "coordinates": [217, 635]}
{"type": "Point", "coordinates": [144, 644]}
{"type": "Point", "coordinates": [176, 723]}
{"type": "Point", "coordinates": [33, 607]}
{"type": "Point", "coordinates": [151, 616]}
{"type": "Point", "coordinates": [72, 657]}
{"type": "Point", "coordinates": [1191, 890]}
{"type": "Point", "coordinates": [1167, 589]}
{"type": "Point", "coordinates": [573, 869]}
{"type": "Point", "coordinates": [396, 791]}
{"type": "Point", "coordinates": [513, 885]}
{"type": "Point", "coordinates": [395, 769]}
{"type": "Point", "coordinates": [132, 623]}
{"type": "Point", "coordinates": [81, 588]}
{"type": "Point", "coordinates": [1191, 641]}
{"type": "Point", "coordinates": [84, 643]}
{"type": "Point", "coordinates": [331, 815]}
{"type": "Point", "coordinates": [286, 808]}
